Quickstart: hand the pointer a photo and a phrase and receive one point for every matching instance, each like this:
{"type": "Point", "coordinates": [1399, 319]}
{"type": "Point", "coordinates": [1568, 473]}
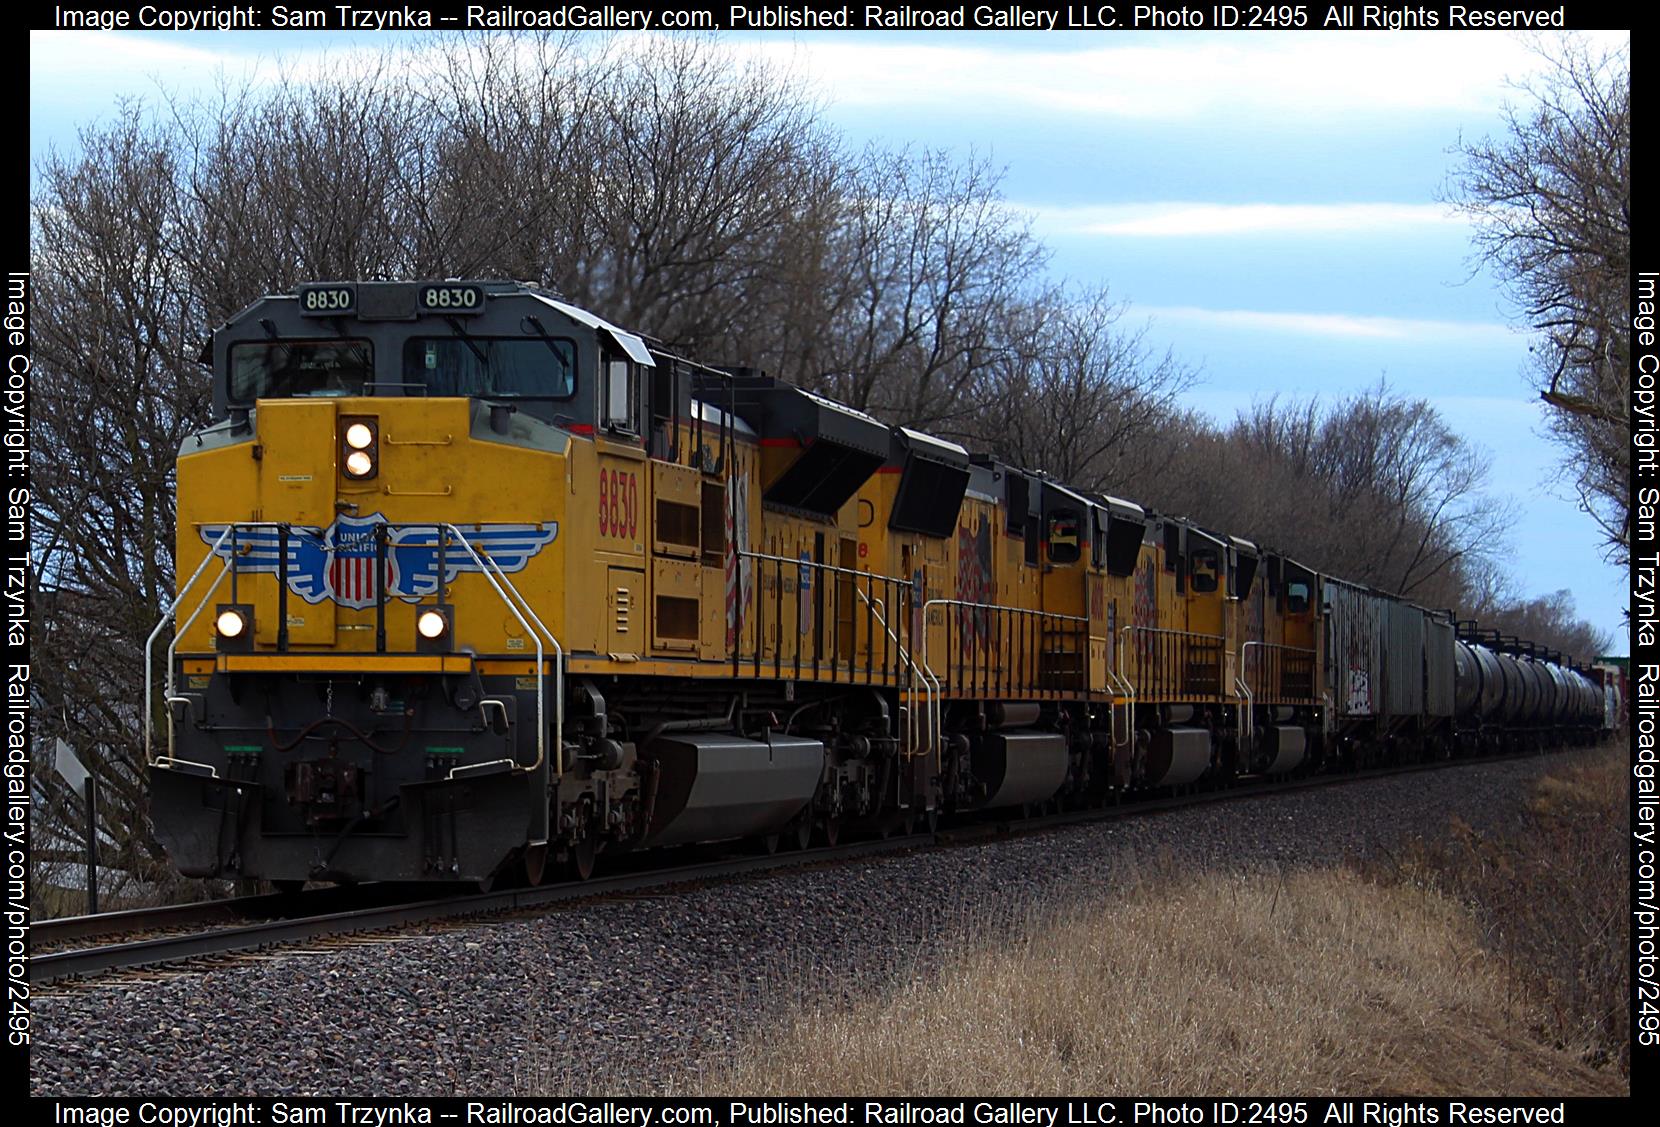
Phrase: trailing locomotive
{"type": "Point", "coordinates": [472, 581]}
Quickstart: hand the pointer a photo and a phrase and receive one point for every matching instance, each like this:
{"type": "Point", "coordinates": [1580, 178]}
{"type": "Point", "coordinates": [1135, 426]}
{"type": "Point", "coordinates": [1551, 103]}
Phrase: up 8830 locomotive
{"type": "Point", "coordinates": [472, 581]}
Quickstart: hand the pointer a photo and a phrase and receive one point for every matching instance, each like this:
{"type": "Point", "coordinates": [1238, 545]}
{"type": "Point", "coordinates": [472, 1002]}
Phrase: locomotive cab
{"type": "Point", "coordinates": [372, 552]}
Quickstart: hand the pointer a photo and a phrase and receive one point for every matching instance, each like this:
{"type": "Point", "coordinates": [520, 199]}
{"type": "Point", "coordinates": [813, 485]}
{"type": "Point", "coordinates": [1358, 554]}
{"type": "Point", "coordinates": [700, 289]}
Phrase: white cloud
{"type": "Point", "coordinates": [70, 55]}
{"type": "Point", "coordinates": [1273, 79]}
{"type": "Point", "coordinates": [76, 65]}
{"type": "Point", "coordinates": [1178, 219]}
{"type": "Point", "coordinates": [1346, 325]}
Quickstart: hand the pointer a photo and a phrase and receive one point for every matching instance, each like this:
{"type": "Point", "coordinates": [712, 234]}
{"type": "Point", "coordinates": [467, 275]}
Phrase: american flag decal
{"type": "Point", "coordinates": [337, 563]}
{"type": "Point", "coordinates": [739, 583]}
{"type": "Point", "coordinates": [353, 579]}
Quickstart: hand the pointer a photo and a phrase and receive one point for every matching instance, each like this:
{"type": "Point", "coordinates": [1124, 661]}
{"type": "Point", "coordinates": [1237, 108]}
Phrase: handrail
{"type": "Point", "coordinates": [212, 771]}
{"type": "Point", "coordinates": [1124, 648]}
{"type": "Point", "coordinates": [1247, 715]}
{"type": "Point", "coordinates": [931, 603]}
{"type": "Point", "coordinates": [1177, 633]}
{"type": "Point", "coordinates": [1275, 674]}
{"type": "Point", "coordinates": [172, 646]}
{"type": "Point", "coordinates": [797, 562]}
{"type": "Point", "coordinates": [558, 666]}
{"type": "Point", "coordinates": [492, 572]}
{"type": "Point", "coordinates": [877, 610]}
{"type": "Point", "coordinates": [1120, 681]}
{"type": "Point", "coordinates": [1181, 678]}
{"type": "Point", "coordinates": [149, 643]}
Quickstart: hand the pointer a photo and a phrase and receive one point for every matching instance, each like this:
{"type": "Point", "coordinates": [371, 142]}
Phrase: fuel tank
{"type": "Point", "coordinates": [1020, 766]}
{"type": "Point", "coordinates": [712, 786]}
{"type": "Point", "coordinates": [1177, 756]}
{"type": "Point", "coordinates": [1286, 746]}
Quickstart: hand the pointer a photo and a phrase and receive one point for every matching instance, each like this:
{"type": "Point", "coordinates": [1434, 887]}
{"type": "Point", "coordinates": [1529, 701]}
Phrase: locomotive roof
{"type": "Point", "coordinates": [400, 301]}
{"type": "Point", "coordinates": [716, 415]}
{"type": "Point", "coordinates": [627, 341]}
{"type": "Point", "coordinates": [907, 440]}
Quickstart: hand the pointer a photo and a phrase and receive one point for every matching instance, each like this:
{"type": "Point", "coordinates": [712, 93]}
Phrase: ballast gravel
{"type": "Point", "coordinates": [633, 990]}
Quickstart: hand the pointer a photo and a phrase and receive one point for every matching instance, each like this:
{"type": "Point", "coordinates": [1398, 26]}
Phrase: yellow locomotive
{"type": "Point", "coordinates": [472, 581]}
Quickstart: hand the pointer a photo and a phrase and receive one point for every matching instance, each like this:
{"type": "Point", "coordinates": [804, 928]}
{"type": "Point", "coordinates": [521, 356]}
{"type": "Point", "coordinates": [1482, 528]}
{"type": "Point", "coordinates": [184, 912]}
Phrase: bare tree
{"type": "Point", "coordinates": [1551, 200]}
{"type": "Point", "coordinates": [1075, 388]}
{"type": "Point", "coordinates": [1410, 491]}
{"type": "Point", "coordinates": [116, 327]}
{"type": "Point", "coordinates": [938, 261]}
{"type": "Point", "coordinates": [1549, 620]}
{"type": "Point", "coordinates": [1375, 488]}
{"type": "Point", "coordinates": [334, 176]}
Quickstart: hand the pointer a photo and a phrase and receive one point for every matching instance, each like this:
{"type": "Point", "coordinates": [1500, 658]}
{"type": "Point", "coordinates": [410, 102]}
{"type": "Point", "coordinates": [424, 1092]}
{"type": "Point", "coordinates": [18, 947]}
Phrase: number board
{"type": "Point", "coordinates": [619, 504]}
{"type": "Point", "coordinates": [449, 297]}
{"type": "Point", "coordinates": [328, 300]}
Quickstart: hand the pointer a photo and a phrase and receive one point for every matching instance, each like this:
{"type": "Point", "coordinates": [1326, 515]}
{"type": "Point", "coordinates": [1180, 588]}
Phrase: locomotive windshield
{"type": "Point", "coordinates": [288, 368]}
{"type": "Point", "coordinates": [496, 367]}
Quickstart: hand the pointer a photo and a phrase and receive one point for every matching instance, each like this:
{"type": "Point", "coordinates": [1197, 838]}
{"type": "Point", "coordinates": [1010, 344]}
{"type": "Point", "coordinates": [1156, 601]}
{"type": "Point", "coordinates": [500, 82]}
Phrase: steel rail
{"type": "Point", "coordinates": [60, 965]}
{"type": "Point", "coordinates": [232, 909]}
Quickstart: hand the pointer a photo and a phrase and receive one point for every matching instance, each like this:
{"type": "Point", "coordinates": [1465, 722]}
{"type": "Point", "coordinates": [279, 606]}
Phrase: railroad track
{"type": "Point", "coordinates": [278, 920]}
{"type": "Point", "coordinates": [52, 935]}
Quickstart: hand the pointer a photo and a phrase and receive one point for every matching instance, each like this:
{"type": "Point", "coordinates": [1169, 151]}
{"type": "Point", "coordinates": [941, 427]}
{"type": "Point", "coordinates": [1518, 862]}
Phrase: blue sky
{"type": "Point", "coordinates": [1269, 201]}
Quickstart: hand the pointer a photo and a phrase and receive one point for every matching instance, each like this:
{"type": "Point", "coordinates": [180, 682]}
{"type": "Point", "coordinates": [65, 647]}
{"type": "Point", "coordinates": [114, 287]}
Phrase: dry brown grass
{"type": "Point", "coordinates": [1550, 895]}
{"type": "Point", "coordinates": [1310, 983]}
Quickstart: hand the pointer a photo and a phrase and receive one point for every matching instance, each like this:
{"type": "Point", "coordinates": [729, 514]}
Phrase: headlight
{"type": "Point", "coordinates": [431, 624]}
{"type": "Point", "coordinates": [233, 628]}
{"type": "Point", "coordinates": [359, 446]}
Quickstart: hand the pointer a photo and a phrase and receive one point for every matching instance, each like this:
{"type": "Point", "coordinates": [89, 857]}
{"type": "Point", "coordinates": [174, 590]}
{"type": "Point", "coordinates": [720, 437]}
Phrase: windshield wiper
{"type": "Point", "coordinates": [483, 361]}
{"type": "Point", "coordinates": [553, 346]}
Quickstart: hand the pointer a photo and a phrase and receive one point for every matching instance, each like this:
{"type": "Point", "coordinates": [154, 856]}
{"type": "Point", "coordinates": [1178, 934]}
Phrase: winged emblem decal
{"type": "Point", "coordinates": [338, 562]}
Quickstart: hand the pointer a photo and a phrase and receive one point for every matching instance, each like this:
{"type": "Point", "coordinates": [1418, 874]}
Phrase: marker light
{"type": "Point", "coordinates": [230, 624]}
{"type": "Point", "coordinates": [359, 463]}
{"type": "Point", "coordinates": [359, 436]}
{"type": "Point", "coordinates": [431, 624]}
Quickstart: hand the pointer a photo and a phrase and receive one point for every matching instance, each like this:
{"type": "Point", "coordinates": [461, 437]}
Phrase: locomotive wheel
{"type": "Point", "coordinates": [583, 854]}
{"type": "Point", "coordinates": [769, 843]}
{"type": "Point", "coordinates": [799, 834]}
{"type": "Point", "coordinates": [832, 829]}
{"type": "Point", "coordinates": [536, 863]}
{"type": "Point", "coordinates": [288, 887]}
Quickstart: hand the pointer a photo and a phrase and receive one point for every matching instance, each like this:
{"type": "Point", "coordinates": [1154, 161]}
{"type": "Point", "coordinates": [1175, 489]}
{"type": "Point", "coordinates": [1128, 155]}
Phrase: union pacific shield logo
{"type": "Point", "coordinates": [338, 562]}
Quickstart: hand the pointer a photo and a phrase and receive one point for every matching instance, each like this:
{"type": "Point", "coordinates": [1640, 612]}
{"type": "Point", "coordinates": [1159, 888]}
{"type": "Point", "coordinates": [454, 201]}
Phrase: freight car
{"type": "Point", "coordinates": [473, 581]}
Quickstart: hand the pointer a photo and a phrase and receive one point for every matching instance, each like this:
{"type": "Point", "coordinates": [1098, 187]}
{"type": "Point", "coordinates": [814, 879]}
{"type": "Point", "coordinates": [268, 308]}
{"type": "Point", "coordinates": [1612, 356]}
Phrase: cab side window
{"type": "Point", "coordinates": [1065, 545]}
{"type": "Point", "coordinates": [1205, 571]}
{"type": "Point", "coordinates": [620, 405]}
